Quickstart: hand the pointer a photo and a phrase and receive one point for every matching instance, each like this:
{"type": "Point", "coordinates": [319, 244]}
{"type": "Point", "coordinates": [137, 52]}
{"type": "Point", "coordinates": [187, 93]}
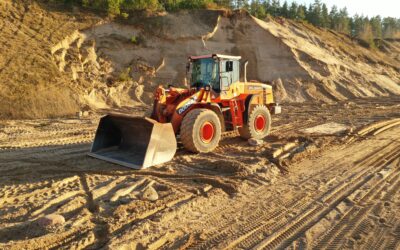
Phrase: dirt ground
{"type": "Point", "coordinates": [328, 176]}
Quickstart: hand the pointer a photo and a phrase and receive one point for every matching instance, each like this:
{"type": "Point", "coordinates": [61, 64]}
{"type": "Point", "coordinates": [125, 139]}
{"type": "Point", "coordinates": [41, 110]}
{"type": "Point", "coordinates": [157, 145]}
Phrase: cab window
{"type": "Point", "coordinates": [205, 72]}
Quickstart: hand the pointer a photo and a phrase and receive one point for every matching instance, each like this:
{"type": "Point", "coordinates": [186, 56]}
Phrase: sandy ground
{"type": "Point", "coordinates": [298, 190]}
{"type": "Point", "coordinates": [327, 175]}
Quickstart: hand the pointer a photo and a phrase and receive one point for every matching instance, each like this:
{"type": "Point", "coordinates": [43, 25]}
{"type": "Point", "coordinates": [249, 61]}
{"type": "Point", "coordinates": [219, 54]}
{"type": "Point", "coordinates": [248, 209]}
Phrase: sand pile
{"type": "Point", "coordinates": [81, 61]}
{"type": "Point", "coordinates": [30, 83]}
{"type": "Point", "coordinates": [302, 62]}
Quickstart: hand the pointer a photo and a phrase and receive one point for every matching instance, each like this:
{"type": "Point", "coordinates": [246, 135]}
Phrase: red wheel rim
{"type": "Point", "coordinates": [259, 123]}
{"type": "Point", "coordinates": [207, 132]}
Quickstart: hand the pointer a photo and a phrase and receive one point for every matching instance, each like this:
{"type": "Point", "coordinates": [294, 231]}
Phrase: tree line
{"type": "Point", "coordinates": [117, 7]}
{"type": "Point", "coordinates": [361, 27]}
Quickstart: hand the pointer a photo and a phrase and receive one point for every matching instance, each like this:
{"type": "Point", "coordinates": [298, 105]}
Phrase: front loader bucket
{"type": "Point", "coordinates": [133, 142]}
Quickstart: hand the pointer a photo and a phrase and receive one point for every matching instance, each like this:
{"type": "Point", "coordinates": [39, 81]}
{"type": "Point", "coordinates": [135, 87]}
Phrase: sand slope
{"type": "Point", "coordinates": [30, 83]}
{"type": "Point", "coordinates": [302, 62]}
{"type": "Point", "coordinates": [80, 61]}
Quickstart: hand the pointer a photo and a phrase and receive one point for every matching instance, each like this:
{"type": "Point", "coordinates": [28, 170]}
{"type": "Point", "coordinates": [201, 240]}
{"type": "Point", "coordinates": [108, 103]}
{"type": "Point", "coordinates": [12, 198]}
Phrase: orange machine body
{"type": "Point", "coordinates": [229, 101]}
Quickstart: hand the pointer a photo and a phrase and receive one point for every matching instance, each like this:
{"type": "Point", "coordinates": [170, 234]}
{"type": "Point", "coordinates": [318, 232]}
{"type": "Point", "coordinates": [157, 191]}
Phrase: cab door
{"type": "Point", "coordinates": [226, 67]}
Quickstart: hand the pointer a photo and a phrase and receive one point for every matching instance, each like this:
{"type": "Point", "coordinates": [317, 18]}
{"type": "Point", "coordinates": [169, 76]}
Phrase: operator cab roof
{"type": "Point", "coordinates": [215, 55]}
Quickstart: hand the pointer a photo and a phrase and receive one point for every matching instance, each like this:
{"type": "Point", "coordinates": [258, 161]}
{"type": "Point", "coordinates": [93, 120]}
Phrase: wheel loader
{"type": "Point", "coordinates": [215, 101]}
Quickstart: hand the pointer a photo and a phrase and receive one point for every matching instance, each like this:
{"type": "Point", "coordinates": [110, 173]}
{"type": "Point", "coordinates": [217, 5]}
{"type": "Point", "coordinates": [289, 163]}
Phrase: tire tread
{"type": "Point", "coordinates": [187, 132]}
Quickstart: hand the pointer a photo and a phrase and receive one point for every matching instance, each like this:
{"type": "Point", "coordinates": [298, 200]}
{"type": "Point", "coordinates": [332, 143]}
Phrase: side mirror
{"type": "Point", "coordinates": [229, 66]}
{"type": "Point", "coordinates": [187, 67]}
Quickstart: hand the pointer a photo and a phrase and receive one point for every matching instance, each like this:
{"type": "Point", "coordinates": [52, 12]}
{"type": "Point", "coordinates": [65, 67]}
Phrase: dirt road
{"type": "Point", "coordinates": [305, 187]}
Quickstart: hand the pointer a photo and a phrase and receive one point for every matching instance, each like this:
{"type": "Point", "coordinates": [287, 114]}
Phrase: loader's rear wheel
{"type": "Point", "coordinates": [258, 123]}
{"type": "Point", "coordinates": [200, 131]}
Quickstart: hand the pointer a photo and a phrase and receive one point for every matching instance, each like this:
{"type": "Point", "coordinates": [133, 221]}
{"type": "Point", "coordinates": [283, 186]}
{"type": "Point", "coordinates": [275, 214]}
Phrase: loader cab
{"type": "Point", "coordinates": [217, 71]}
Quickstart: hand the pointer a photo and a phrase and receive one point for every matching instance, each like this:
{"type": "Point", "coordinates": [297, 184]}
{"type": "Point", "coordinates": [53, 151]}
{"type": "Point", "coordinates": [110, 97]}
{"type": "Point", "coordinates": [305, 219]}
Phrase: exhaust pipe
{"type": "Point", "coordinates": [245, 70]}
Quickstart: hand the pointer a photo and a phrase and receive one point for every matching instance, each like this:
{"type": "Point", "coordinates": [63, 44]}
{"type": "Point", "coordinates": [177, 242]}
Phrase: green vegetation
{"type": "Point", "coordinates": [125, 75]}
{"type": "Point", "coordinates": [124, 15]}
{"type": "Point", "coordinates": [137, 40]}
{"type": "Point", "coordinates": [117, 7]}
{"type": "Point", "coordinates": [361, 27]}
{"type": "Point", "coordinates": [134, 39]}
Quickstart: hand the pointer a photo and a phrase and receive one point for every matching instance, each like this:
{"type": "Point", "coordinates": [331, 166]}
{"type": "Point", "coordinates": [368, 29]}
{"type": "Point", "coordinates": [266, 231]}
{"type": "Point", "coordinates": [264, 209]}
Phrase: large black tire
{"type": "Point", "coordinates": [258, 123]}
{"type": "Point", "coordinates": [196, 134]}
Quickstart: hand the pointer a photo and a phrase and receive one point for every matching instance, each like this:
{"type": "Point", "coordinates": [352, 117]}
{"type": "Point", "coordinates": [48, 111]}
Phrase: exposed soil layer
{"type": "Point", "coordinates": [57, 61]}
{"type": "Point", "coordinates": [31, 85]}
{"type": "Point", "coordinates": [298, 189]}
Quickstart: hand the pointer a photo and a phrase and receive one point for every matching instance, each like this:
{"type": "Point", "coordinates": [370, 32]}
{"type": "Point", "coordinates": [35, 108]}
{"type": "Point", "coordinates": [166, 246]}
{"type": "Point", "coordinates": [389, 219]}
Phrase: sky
{"type": "Point", "coordinates": [384, 8]}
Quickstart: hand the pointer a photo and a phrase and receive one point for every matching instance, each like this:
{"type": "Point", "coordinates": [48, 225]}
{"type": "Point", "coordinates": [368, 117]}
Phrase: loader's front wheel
{"type": "Point", "coordinates": [200, 131]}
{"type": "Point", "coordinates": [258, 123]}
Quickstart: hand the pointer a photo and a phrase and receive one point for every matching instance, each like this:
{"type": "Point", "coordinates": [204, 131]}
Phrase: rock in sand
{"type": "Point", "coordinates": [150, 194]}
{"type": "Point", "coordinates": [255, 142]}
{"type": "Point", "coordinates": [51, 220]}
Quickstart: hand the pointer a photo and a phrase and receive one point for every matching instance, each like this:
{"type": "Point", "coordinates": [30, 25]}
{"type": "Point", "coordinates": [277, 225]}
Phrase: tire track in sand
{"type": "Point", "coordinates": [250, 231]}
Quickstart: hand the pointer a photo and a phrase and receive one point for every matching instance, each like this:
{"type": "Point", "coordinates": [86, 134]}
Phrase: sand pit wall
{"type": "Point", "coordinates": [31, 85]}
{"type": "Point", "coordinates": [103, 63]}
{"type": "Point", "coordinates": [301, 63]}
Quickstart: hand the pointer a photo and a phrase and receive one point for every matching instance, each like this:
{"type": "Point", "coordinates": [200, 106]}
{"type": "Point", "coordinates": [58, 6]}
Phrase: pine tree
{"type": "Point", "coordinates": [267, 5]}
{"type": "Point", "coordinates": [275, 8]}
{"type": "Point", "coordinates": [390, 27]}
{"type": "Point", "coordinates": [356, 25]}
{"type": "Point", "coordinates": [366, 33]}
{"type": "Point", "coordinates": [284, 10]}
{"type": "Point", "coordinates": [293, 10]}
{"type": "Point", "coordinates": [325, 21]}
{"type": "Point", "coordinates": [301, 12]}
{"type": "Point", "coordinates": [240, 4]}
{"type": "Point", "coordinates": [340, 20]}
{"type": "Point", "coordinates": [316, 13]}
{"type": "Point", "coordinates": [376, 25]}
{"type": "Point", "coordinates": [333, 17]}
{"type": "Point", "coordinates": [309, 14]}
{"type": "Point", "coordinates": [343, 24]}
{"type": "Point", "coordinates": [361, 28]}
{"type": "Point", "coordinates": [257, 9]}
